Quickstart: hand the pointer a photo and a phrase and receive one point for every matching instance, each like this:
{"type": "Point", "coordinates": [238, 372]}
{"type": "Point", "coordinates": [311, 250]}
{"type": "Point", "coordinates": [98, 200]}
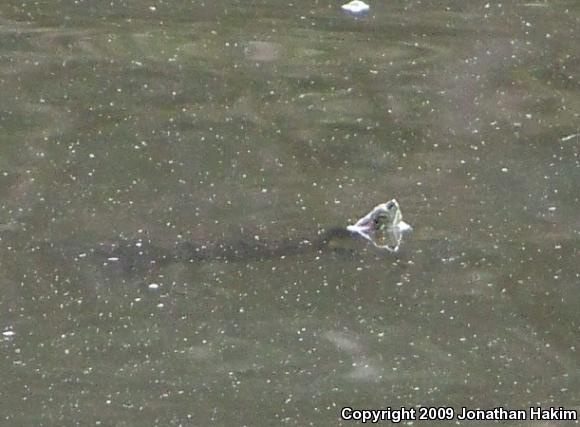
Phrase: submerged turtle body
{"type": "Point", "coordinates": [383, 228]}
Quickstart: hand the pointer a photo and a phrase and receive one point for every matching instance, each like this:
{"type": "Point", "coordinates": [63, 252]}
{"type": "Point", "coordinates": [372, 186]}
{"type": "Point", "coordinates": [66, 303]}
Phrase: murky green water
{"type": "Point", "coordinates": [187, 122]}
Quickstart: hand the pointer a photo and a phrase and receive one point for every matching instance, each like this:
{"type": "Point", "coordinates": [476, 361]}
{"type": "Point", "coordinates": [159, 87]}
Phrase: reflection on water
{"type": "Point", "coordinates": [180, 123]}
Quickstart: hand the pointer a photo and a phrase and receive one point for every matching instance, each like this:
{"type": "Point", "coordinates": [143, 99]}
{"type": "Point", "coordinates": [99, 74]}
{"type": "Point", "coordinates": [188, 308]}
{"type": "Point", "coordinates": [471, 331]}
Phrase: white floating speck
{"type": "Point", "coordinates": [504, 169]}
{"type": "Point", "coordinates": [569, 137]}
{"type": "Point", "coordinates": [153, 286]}
{"type": "Point", "coordinates": [355, 6]}
{"type": "Point", "coordinates": [552, 208]}
{"type": "Point", "coordinates": [8, 334]}
{"type": "Point", "coordinates": [113, 258]}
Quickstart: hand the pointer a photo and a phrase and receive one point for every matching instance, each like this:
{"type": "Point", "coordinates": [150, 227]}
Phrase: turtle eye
{"type": "Point", "coordinates": [390, 205]}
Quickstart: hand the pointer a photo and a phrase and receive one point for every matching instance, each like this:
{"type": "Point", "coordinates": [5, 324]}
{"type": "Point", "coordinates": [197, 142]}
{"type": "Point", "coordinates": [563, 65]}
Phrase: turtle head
{"type": "Point", "coordinates": [384, 222]}
{"type": "Point", "coordinates": [385, 216]}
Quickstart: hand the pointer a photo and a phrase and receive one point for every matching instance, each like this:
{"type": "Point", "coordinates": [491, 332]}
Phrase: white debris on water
{"type": "Point", "coordinates": [569, 137]}
{"type": "Point", "coordinates": [153, 286]}
{"type": "Point", "coordinates": [355, 6]}
{"type": "Point", "coordinates": [8, 334]}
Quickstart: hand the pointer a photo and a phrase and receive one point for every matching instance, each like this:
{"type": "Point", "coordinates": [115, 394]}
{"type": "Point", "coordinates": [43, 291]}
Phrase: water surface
{"type": "Point", "coordinates": [182, 122]}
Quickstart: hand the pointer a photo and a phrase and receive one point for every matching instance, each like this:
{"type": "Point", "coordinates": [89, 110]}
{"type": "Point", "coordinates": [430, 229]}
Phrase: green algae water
{"type": "Point", "coordinates": [172, 123]}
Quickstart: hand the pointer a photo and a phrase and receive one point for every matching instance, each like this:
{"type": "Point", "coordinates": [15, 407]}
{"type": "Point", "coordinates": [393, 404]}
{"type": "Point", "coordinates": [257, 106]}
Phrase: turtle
{"type": "Point", "coordinates": [382, 228]}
